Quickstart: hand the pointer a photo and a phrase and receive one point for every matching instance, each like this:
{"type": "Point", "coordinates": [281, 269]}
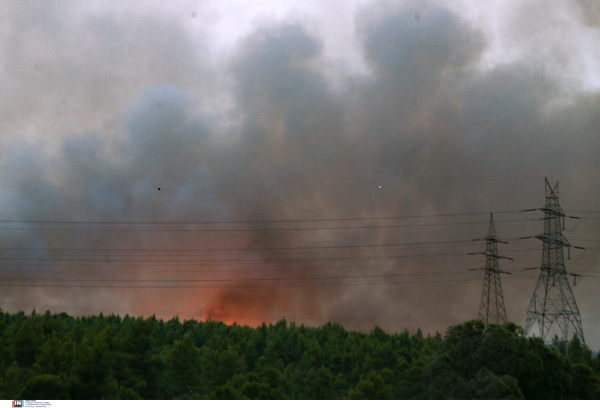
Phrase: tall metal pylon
{"type": "Point", "coordinates": [553, 300]}
{"type": "Point", "coordinates": [491, 309]}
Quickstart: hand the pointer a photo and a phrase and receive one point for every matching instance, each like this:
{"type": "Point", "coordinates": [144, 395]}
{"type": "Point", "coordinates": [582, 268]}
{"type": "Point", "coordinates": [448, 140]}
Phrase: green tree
{"type": "Point", "coordinates": [219, 366]}
{"type": "Point", "coordinates": [586, 385]}
{"type": "Point", "coordinates": [13, 380]}
{"type": "Point", "coordinates": [92, 369]}
{"type": "Point", "coordinates": [55, 356]}
{"type": "Point", "coordinates": [26, 343]}
{"type": "Point", "coordinates": [183, 366]}
{"type": "Point", "coordinates": [225, 392]}
{"type": "Point", "coordinates": [579, 353]}
{"type": "Point", "coordinates": [371, 387]}
{"type": "Point", "coordinates": [255, 390]}
{"type": "Point", "coordinates": [318, 384]}
{"type": "Point", "coordinates": [45, 387]}
{"type": "Point", "coordinates": [541, 372]}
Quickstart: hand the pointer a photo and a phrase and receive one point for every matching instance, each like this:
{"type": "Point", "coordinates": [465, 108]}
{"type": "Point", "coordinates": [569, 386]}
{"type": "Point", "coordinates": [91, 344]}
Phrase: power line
{"type": "Point", "coordinates": [553, 300]}
{"type": "Point", "coordinates": [132, 250]}
{"type": "Point", "coordinates": [491, 309]}
{"type": "Point", "coordinates": [238, 249]}
{"type": "Point", "coordinates": [308, 278]}
{"type": "Point", "coordinates": [260, 221]}
{"type": "Point", "coordinates": [250, 286]}
{"type": "Point", "coordinates": [201, 261]}
{"type": "Point", "coordinates": [228, 270]}
{"type": "Point", "coordinates": [240, 279]}
{"type": "Point", "coordinates": [195, 271]}
{"type": "Point", "coordinates": [257, 229]}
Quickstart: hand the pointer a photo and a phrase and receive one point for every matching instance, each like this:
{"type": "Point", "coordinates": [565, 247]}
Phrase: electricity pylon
{"type": "Point", "coordinates": [553, 299]}
{"type": "Point", "coordinates": [492, 308]}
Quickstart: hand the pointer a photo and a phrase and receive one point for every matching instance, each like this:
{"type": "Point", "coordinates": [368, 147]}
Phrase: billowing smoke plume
{"type": "Point", "coordinates": [121, 116]}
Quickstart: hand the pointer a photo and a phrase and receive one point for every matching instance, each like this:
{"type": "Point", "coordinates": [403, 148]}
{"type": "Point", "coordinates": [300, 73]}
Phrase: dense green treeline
{"type": "Point", "coordinates": [499, 362]}
{"type": "Point", "coordinates": [56, 356]}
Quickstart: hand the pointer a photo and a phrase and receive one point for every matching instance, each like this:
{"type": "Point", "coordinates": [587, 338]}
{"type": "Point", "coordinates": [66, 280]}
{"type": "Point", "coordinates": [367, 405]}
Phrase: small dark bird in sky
{"type": "Point", "coordinates": [159, 188]}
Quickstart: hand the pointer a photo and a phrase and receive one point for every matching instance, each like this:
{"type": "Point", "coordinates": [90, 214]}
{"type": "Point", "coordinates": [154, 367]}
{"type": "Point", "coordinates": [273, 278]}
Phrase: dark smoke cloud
{"type": "Point", "coordinates": [437, 132]}
{"type": "Point", "coordinates": [590, 12]}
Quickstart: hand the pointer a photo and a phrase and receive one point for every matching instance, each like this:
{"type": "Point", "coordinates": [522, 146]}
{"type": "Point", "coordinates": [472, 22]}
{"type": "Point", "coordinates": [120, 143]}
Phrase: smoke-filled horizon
{"type": "Point", "coordinates": [301, 129]}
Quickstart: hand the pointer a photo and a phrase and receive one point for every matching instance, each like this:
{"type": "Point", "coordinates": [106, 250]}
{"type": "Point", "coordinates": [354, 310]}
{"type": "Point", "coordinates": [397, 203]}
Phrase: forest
{"type": "Point", "coordinates": [57, 356]}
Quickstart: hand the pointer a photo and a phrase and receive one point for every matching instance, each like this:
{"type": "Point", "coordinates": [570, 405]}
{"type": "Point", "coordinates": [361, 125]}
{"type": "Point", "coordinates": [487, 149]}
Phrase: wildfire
{"type": "Point", "coordinates": [235, 306]}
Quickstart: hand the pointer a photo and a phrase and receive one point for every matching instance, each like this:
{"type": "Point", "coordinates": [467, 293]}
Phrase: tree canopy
{"type": "Point", "coordinates": [57, 356]}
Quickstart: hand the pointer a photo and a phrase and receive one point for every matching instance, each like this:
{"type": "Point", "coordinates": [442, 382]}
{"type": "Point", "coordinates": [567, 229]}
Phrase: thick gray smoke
{"type": "Point", "coordinates": [121, 116]}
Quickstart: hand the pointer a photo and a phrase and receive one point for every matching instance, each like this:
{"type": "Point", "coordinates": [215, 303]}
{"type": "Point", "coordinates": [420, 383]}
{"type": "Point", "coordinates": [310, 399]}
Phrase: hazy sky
{"type": "Point", "coordinates": [293, 110]}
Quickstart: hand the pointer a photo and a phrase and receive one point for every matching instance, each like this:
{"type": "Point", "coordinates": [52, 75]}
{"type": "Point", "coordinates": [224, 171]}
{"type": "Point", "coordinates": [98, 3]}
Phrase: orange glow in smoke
{"type": "Point", "coordinates": [241, 307]}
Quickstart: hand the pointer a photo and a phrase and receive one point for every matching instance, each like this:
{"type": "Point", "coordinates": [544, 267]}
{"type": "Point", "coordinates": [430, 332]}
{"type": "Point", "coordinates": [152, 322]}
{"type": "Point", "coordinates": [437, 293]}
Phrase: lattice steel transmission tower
{"type": "Point", "coordinates": [553, 299]}
{"type": "Point", "coordinates": [492, 308]}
